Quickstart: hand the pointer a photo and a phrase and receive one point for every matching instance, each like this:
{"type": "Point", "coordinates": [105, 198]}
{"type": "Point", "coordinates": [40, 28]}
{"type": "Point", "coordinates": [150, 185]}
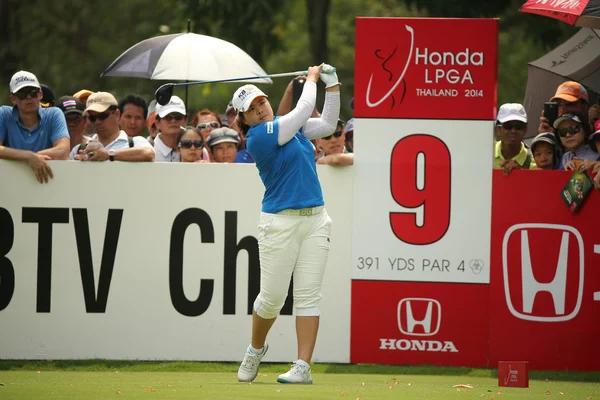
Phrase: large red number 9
{"type": "Point", "coordinates": [434, 195]}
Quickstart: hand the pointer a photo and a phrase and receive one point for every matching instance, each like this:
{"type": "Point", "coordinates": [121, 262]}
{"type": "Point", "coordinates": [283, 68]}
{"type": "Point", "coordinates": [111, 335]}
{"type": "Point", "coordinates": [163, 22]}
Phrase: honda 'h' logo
{"type": "Point", "coordinates": [562, 266]}
{"type": "Point", "coordinates": [408, 319]}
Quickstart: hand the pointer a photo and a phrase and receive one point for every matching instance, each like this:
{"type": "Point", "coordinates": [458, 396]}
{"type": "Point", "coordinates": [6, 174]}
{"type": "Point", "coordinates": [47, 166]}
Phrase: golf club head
{"type": "Point", "coordinates": [163, 94]}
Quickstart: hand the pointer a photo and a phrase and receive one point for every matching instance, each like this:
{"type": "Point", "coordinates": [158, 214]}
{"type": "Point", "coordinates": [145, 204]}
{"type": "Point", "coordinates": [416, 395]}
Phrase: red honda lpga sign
{"type": "Point", "coordinates": [426, 68]}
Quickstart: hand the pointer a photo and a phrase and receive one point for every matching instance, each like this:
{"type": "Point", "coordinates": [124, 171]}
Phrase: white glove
{"type": "Point", "coordinates": [328, 76]}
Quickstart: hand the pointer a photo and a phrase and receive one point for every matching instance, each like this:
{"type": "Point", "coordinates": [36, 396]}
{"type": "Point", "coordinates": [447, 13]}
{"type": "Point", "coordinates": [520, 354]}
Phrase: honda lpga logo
{"type": "Point", "coordinates": [530, 287]}
{"type": "Point", "coordinates": [512, 376]}
{"type": "Point", "coordinates": [424, 322]}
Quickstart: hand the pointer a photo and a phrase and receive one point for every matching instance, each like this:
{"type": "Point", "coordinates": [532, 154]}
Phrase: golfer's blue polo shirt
{"type": "Point", "coordinates": [288, 172]}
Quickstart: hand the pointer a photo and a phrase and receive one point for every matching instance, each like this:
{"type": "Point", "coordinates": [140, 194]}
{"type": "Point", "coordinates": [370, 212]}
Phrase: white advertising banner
{"type": "Point", "coordinates": [151, 262]}
{"type": "Point", "coordinates": [422, 195]}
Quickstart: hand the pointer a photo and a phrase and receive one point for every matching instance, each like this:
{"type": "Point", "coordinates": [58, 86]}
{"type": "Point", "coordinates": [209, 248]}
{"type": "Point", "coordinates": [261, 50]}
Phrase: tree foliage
{"type": "Point", "coordinates": [69, 43]}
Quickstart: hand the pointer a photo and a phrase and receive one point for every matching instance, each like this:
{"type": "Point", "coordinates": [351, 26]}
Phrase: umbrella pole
{"type": "Point", "coordinates": [189, 29]}
{"type": "Point", "coordinates": [186, 96]}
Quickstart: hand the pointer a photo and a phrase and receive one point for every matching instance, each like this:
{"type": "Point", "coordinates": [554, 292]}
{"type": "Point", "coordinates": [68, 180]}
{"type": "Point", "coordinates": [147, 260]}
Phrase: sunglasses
{"type": "Point", "coordinates": [511, 124]}
{"type": "Point", "coordinates": [174, 117]}
{"type": "Point", "coordinates": [22, 94]}
{"type": "Point", "coordinates": [100, 117]}
{"type": "Point", "coordinates": [212, 124]}
{"type": "Point", "coordinates": [565, 131]}
{"type": "Point", "coordinates": [336, 134]}
{"type": "Point", "coordinates": [187, 144]}
{"type": "Point", "coordinates": [74, 118]}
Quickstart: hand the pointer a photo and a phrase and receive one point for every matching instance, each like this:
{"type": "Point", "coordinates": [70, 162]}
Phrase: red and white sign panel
{"type": "Point", "coordinates": [421, 200]}
{"type": "Point", "coordinates": [426, 68]}
{"type": "Point", "coordinates": [419, 323]}
{"type": "Point", "coordinates": [426, 99]}
{"type": "Point", "coordinates": [545, 283]}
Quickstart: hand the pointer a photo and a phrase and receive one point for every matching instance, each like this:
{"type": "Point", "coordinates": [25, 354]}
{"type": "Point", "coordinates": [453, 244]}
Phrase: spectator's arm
{"type": "Point", "coordinates": [135, 154]}
{"type": "Point", "coordinates": [7, 153]}
{"type": "Point", "coordinates": [37, 162]}
{"type": "Point", "coordinates": [141, 151]}
{"type": "Point", "coordinates": [285, 105]}
{"type": "Point", "coordinates": [594, 114]}
{"type": "Point", "coordinates": [59, 151]}
{"type": "Point", "coordinates": [337, 160]}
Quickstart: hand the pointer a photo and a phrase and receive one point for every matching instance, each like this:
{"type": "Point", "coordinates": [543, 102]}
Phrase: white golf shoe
{"type": "Point", "coordinates": [299, 373]}
{"type": "Point", "coordinates": [249, 367]}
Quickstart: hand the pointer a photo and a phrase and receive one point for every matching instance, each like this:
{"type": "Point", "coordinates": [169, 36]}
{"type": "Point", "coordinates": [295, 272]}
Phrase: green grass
{"type": "Point", "coordinates": [101, 379]}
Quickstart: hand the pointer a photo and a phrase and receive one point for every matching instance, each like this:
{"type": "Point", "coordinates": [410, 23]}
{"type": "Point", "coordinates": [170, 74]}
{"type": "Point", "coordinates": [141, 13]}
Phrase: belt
{"type": "Point", "coordinates": [303, 212]}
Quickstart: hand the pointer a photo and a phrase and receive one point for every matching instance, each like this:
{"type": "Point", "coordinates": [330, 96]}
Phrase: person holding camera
{"type": "Point", "coordinates": [110, 143]}
{"type": "Point", "coordinates": [294, 228]}
{"type": "Point", "coordinates": [570, 97]}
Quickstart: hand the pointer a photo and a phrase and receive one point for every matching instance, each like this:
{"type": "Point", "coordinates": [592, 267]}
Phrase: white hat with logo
{"type": "Point", "coordinates": [242, 98]}
{"type": "Point", "coordinates": [512, 112]}
{"type": "Point", "coordinates": [174, 105]}
{"type": "Point", "coordinates": [23, 79]}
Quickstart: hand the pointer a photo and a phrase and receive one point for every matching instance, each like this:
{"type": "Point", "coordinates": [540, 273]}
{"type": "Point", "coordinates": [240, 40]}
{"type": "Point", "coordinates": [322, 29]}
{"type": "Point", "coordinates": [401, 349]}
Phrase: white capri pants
{"type": "Point", "coordinates": [292, 242]}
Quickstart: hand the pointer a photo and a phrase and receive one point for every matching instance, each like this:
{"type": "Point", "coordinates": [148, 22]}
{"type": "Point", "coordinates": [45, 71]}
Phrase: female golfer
{"type": "Point", "coordinates": [294, 228]}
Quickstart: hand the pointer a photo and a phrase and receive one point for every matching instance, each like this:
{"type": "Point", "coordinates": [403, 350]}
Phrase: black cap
{"type": "Point", "coordinates": [70, 104]}
{"type": "Point", "coordinates": [48, 96]}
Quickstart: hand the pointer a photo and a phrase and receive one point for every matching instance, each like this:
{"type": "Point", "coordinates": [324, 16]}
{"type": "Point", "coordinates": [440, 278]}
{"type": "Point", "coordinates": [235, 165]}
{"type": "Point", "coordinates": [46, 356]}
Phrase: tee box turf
{"type": "Point", "coordinates": [513, 374]}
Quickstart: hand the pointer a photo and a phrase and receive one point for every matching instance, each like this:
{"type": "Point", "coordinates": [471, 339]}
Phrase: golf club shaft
{"type": "Point", "coordinates": [296, 73]}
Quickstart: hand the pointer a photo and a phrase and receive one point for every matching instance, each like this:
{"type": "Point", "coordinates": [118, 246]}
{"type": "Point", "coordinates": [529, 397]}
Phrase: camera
{"type": "Point", "coordinates": [551, 111]}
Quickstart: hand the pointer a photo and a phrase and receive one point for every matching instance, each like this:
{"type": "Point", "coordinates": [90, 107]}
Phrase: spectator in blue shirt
{"type": "Point", "coordinates": [29, 132]}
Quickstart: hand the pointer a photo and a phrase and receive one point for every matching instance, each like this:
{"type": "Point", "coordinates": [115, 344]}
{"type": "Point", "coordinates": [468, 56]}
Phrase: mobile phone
{"type": "Point", "coordinates": [297, 87]}
{"type": "Point", "coordinates": [551, 111]}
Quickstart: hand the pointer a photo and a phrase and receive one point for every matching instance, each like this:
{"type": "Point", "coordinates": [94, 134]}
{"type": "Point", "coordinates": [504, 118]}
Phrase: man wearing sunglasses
{"type": "Point", "coordinates": [29, 132]}
{"type": "Point", "coordinates": [572, 97]}
{"type": "Point", "coordinates": [170, 118]}
{"type": "Point", "coordinates": [510, 152]}
{"type": "Point", "coordinates": [332, 148]}
{"type": "Point", "coordinates": [112, 144]}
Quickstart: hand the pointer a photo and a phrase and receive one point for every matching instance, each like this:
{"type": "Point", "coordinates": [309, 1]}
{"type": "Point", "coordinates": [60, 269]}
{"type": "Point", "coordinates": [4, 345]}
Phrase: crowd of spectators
{"type": "Point", "coordinates": [95, 126]}
{"type": "Point", "coordinates": [570, 141]}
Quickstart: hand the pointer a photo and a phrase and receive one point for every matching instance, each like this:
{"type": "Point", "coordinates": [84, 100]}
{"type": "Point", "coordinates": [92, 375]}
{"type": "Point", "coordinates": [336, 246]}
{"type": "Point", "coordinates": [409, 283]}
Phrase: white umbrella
{"type": "Point", "coordinates": [186, 57]}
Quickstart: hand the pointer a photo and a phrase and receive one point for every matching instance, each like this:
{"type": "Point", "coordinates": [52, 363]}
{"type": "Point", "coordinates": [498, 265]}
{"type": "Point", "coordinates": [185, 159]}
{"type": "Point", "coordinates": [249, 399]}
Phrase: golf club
{"type": "Point", "coordinates": [164, 92]}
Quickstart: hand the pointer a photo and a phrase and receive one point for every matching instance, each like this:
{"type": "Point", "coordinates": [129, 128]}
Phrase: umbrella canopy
{"type": "Point", "coordinates": [186, 56]}
{"type": "Point", "coordinates": [577, 59]}
{"type": "Point", "coordinates": [584, 13]}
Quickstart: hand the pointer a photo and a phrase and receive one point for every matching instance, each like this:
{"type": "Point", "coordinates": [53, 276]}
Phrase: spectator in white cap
{"type": "Point", "coordinates": [510, 152]}
{"type": "Point", "coordinates": [110, 143]}
{"type": "Point", "coordinates": [223, 143]}
{"type": "Point", "coordinates": [29, 132]}
{"type": "Point", "coordinates": [170, 118]}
